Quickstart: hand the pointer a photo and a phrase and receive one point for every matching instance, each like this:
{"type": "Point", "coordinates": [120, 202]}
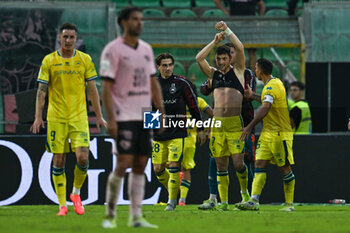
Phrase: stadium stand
{"type": "Point", "coordinates": [275, 3]}
{"type": "Point", "coordinates": [87, 20]}
{"type": "Point", "coordinates": [183, 13]}
{"type": "Point", "coordinates": [286, 54]}
{"type": "Point", "coordinates": [121, 3]}
{"type": "Point", "coordinates": [179, 69]}
{"type": "Point", "coordinates": [146, 3]}
{"type": "Point", "coordinates": [277, 12]}
{"type": "Point", "coordinates": [196, 71]}
{"type": "Point", "coordinates": [294, 67]}
{"type": "Point", "coordinates": [205, 3]}
{"type": "Point", "coordinates": [153, 13]}
{"type": "Point", "coordinates": [213, 13]}
{"type": "Point", "coordinates": [177, 3]}
{"type": "Point", "coordinates": [184, 54]}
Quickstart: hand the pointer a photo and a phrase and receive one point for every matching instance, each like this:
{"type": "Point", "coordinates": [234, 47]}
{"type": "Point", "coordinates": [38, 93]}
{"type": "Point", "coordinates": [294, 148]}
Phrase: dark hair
{"type": "Point", "coordinates": [68, 26]}
{"type": "Point", "coordinates": [223, 49]}
{"type": "Point", "coordinates": [126, 12]}
{"type": "Point", "coordinates": [230, 45]}
{"type": "Point", "coordinates": [162, 56]}
{"type": "Point", "coordinates": [298, 84]}
{"type": "Point", "coordinates": [265, 65]}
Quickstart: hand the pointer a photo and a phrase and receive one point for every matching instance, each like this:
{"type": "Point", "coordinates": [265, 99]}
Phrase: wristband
{"type": "Point", "coordinates": [228, 31]}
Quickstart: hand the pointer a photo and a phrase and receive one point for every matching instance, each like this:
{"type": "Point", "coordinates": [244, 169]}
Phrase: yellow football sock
{"type": "Point", "coordinates": [242, 176]}
{"type": "Point", "coordinates": [163, 177]}
{"type": "Point", "coordinates": [258, 182]}
{"type": "Point", "coordinates": [185, 186]}
{"type": "Point", "coordinates": [174, 181]}
{"type": "Point", "coordinates": [288, 187]}
{"type": "Point", "coordinates": [60, 183]}
{"type": "Point", "coordinates": [223, 181]}
{"type": "Point", "coordinates": [79, 175]}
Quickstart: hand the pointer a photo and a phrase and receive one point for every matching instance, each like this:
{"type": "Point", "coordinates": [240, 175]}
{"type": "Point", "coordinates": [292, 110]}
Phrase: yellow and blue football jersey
{"type": "Point", "coordinates": [66, 79]}
{"type": "Point", "coordinates": [276, 124]}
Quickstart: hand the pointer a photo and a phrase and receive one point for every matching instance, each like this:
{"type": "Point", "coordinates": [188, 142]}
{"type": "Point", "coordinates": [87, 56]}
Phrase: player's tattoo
{"type": "Point", "coordinates": [43, 87]}
{"type": "Point", "coordinates": [41, 94]}
{"type": "Point", "coordinates": [42, 90]}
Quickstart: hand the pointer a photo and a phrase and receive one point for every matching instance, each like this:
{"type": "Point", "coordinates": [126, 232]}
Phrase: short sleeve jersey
{"type": "Point", "coordinates": [203, 106]}
{"type": "Point", "coordinates": [130, 69]}
{"type": "Point", "coordinates": [276, 124]}
{"type": "Point", "coordinates": [66, 78]}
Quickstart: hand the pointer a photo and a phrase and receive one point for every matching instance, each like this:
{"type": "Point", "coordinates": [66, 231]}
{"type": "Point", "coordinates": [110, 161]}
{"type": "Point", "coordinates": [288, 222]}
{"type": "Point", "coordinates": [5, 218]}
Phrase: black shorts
{"type": "Point", "coordinates": [134, 139]}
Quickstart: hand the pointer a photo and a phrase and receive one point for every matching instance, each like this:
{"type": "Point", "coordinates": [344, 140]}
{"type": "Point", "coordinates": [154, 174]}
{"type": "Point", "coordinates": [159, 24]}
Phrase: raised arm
{"type": "Point", "coordinates": [203, 64]}
{"type": "Point", "coordinates": [240, 58]}
{"type": "Point", "coordinates": [95, 100]}
{"type": "Point", "coordinates": [39, 107]}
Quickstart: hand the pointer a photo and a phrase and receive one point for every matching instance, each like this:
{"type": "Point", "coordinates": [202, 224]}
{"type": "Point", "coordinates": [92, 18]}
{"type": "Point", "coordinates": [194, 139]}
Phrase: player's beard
{"type": "Point", "coordinates": [135, 31]}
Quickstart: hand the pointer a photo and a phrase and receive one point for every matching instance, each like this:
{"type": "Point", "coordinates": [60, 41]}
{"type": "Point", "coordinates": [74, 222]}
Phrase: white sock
{"type": "Point", "coordinates": [255, 197]}
{"type": "Point", "coordinates": [75, 191]}
{"type": "Point", "coordinates": [136, 191]}
{"type": "Point", "coordinates": [183, 200]}
{"type": "Point", "coordinates": [212, 196]}
{"type": "Point", "coordinates": [114, 184]}
{"type": "Point", "coordinates": [172, 202]}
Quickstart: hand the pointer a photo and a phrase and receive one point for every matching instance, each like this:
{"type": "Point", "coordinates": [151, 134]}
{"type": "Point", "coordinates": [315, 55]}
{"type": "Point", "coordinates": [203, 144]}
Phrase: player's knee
{"type": "Point", "coordinates": [239, 165]}
{"type": "Point", "coordinates": [83, 161]}
{"type": "Point", "coordinates": [122, 166]}
{"type": "Point", "coordinates": [285, 169]}
{"type": "Point", "coordinates": [58, 161]}
{"type": "Point", "coordinates": [158, 168]}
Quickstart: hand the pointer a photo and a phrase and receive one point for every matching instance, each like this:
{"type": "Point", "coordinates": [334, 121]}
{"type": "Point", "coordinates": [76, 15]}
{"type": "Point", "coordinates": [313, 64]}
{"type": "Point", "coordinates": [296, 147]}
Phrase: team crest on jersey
{"type": "Point", "coordinates": [127, 134]}
{"type": "Point", "coordinates": [125, 144]}
{"type": "Point", "coordinates": [268, 88]}
{"type": "Point", "coordinates": [147, 58]}
{"type": "Point", "coordinates": [172, 88]}
{"type": "Point", "coordinates": [67, 63]}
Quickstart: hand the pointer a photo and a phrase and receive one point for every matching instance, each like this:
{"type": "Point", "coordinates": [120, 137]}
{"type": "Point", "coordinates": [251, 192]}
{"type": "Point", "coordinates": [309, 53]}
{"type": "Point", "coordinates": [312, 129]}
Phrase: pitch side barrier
{"type": "Point", "coordinates": [321, 172]}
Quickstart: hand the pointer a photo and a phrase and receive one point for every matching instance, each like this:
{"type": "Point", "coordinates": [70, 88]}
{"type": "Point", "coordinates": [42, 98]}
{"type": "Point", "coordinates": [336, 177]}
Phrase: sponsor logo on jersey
{"type": "Point", "coordinates": [172, 88]}
{"type": "Point", "coordinates": [60, 72]}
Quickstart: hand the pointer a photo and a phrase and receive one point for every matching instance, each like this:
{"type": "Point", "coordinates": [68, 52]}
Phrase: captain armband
{"type": "Point", "coordinates": [268, 98]}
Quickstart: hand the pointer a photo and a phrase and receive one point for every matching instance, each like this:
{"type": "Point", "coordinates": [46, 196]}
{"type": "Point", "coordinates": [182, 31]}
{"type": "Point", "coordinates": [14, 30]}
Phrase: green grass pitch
{"type": "Point", "coordinates": [185, 219]}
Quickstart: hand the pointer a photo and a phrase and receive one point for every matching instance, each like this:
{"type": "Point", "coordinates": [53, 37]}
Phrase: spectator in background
{"type": "Point", "coordinates": [349, 124]}
{"type": "Point", "coordinates": [300, 115]}
{"type": "Point", "coordinates": [242, 7]}
{"type": "Point", "coordinates": [292, 5]}
{"type": "Point", "coordinates": [290, 102]}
